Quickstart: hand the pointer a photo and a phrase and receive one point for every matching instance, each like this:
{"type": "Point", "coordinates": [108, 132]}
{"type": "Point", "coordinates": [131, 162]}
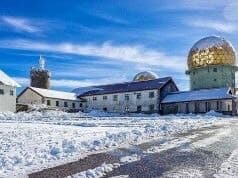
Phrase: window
{"type": "Point", "coordinates": [105, 109]}
{"type": "Point", "coordinates": [214, 69]}
{"type": "Point", "coordinates": [48, 102]}
{"type": "Point", "coordinates": [11, 92]}
{"type": "Point", "coordinates": [115, 98]}
{"type": "Point", "coordinates": [127, 109]}
{"type": "Point", "coordinates": [187, 108]}
{"type": "Point", "coordinates": [65, 104]}
{"type": "Point", "coordinates": [218, 103]}
{"type": "Point", "coordinates": [127, 97]}
{"type": "Point", "coordinates": [139, 108]}
{"type": "Point", "coordinates": [1, 92]}
{"type": "Point", "coordinates": [73, 105]}
{"type": "Point", "coordinates": [104, 97]}
{"type": "Point", "coordinates": [229, 107]}
{"type": "Point", "coordinates": [56, 103]}
{"type": "Point", "coordinates": [208, 106]}
{"type": "Point", "coordinates": [94, 98]}
{"type": "Point", "coordinates": [151, 107]}
{"type": "Point", "coordinates": [81, 105]}
{"type": "Point", "coordinates": [138, 96]}
{"type": "Point", "coordinates": [152, 94]}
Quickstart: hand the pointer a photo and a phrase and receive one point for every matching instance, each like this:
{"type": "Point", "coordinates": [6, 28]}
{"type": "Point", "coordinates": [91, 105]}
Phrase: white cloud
{"type": "Point", "coordinates": [71, 84]}
{"type": "Point", "coordinates": [214, 25]}
{"type": "Point", "coordinates": [20, 24]}
{"type": "Point", "coordinates": [230, 10]}
{"type": "Point", "coordinates": [22, 81]}
{"type": "Point", "coordinates": [112, 19]}
{"type": "Point", "coordinates": [135, 54]}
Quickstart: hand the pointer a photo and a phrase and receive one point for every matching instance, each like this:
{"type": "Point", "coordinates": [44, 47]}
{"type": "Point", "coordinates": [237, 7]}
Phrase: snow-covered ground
{"type": "Point", "coordinates": [36, 140]}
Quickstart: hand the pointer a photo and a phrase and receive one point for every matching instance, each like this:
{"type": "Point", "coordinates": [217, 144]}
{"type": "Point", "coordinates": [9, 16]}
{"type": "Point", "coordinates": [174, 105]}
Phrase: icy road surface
{"type": "Point", "coordinates": [204, 152]}
{"type": "Point", "coordinates": [30, 142]}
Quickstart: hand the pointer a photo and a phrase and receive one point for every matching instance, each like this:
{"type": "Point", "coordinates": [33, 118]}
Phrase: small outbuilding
{"type": "Point", "coordinates": [51, 98]}
{"type": "Point", "coordinates": [200, 101]}
{"type": "Point", "coordinates": [7, 93]}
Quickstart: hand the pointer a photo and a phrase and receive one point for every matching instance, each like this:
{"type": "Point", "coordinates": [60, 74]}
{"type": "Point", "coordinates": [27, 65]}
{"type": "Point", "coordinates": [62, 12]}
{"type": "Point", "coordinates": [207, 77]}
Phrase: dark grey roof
{"type": "Point", "coordinates": [123, 87]}
{"type": "Point", "coordinates": [198, 95]}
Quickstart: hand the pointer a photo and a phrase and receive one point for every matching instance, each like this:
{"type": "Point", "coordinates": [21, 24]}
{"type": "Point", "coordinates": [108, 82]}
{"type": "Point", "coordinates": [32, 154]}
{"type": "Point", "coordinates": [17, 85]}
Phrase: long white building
{"type": "Point", "coordinates": [7, 93]}
{"type": "Point", "coordinates": [142, 95]}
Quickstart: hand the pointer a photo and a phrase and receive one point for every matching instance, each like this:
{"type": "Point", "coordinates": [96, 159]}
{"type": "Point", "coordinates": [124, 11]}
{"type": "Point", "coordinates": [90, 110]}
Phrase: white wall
{"type": "Point", "coordinates": [61, 103]}
{"type": "Point", "coordinates": [122, 104]}
{"type": "Point", "coordinates": [7, 101]}
{"type": "Point", "coordinates": [30, 97]}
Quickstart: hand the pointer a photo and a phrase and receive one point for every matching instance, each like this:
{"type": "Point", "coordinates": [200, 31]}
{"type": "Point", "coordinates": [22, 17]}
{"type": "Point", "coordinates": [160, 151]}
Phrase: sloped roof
{"type": "Point", "coordinates": [54, 94]}
{"type": "Point", "coordinates": [123, 87]}
{"type": "Point", "coordinates": [6, 80]}
{"type": "Point", "coordinates": [198, 95]}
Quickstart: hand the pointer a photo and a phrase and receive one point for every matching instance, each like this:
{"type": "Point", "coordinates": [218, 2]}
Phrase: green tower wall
{"type": "Point", "coordinates": [214, 76]}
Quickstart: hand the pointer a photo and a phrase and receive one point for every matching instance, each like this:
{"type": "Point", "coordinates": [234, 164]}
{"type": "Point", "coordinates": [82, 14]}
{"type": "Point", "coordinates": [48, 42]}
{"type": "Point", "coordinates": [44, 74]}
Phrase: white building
{"type": "Point", "coordinates": [7, 93]}
{"type": "Point", "coordinates": [200, 101]}
{"type": "Point", "coordinates": [143, 94]}
{"type": "Point", "coordinates": [52, 98]}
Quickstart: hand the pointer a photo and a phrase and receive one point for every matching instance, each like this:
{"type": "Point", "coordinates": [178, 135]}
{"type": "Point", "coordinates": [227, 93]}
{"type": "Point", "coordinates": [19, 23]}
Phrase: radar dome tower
{"type": "Point", "coordinates": [40, 77]}
{"type": "Point", "coordinates": [212, 64]}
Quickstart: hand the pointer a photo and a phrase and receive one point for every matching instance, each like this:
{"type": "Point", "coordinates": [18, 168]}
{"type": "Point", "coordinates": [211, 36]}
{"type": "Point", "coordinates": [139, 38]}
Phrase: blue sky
{"type": "Point", "coordinates": [108, 41]}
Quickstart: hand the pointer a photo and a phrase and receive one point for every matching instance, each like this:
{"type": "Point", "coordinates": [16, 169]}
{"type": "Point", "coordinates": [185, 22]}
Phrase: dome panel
{"type": "Point", "coordinates": [144, 76]}
{"type": "Point", "coordinates": [210, 51]}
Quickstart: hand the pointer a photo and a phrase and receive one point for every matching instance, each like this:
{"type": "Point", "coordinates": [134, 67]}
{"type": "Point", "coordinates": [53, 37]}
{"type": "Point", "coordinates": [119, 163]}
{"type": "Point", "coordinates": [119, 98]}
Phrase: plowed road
{"type": "Point", "coordinates": [207, 152]}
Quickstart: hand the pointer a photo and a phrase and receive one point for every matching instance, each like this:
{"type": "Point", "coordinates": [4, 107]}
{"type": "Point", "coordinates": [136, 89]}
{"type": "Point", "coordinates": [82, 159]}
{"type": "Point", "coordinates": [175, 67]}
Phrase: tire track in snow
{"type": "Point", "coordinates": [209, 148]}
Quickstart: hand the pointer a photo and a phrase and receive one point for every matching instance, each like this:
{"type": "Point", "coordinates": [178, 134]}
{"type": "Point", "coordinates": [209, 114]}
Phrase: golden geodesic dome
{"type": "Point", "coordinates": [211, 50]}
{"type": "Point", "coordinates": [144, 76]}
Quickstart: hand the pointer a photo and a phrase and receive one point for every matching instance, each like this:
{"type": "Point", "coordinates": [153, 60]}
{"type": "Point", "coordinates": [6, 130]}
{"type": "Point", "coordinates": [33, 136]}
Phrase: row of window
{"type": "Point", "coordinates": [208, 106]}
{"type": "Point", "coordinates": [2, 92]}
{"type": "Point", "coordinates": [214, 70]}
{"type": "Point", "coordinates": [48, 102]}
{"type": "Point", "coordinates": [139, 108]}
{"type": "Point", "coordinates": [127, 96]}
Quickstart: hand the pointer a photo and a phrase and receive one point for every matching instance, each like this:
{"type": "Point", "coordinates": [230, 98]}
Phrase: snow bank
{"type": "Point", "coordinates": [130, 159]}
{"type": "Point", "coordinates": [214, 113]}
{"type": "Point", "coordinates": [188, 173]}
{"type": "Point", "coordinates": [97, 113]}
{"type": "Point", "coordinates": [96, 172]}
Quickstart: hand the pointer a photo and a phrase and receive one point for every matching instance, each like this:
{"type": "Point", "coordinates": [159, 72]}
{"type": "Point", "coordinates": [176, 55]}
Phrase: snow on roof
{"type": "Point", "coordinates": [198, 95]}
{"type": "Point", "coordinates": [83, 90]}
{"type": "Point", "coordinates": [6, 80]}
{"type": "Point", "coordinates": [209, 42]}
{"type": "Point", "coordinates": [55, 94]}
